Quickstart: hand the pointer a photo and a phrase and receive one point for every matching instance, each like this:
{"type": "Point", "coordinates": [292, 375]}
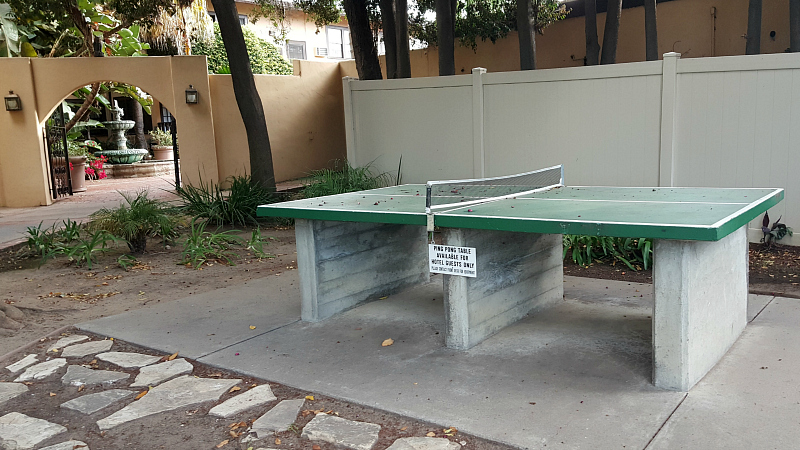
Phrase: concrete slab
{"type": "Point", "coordinates": [84, 376]}
{"type": "Point", "coordinates": [424, 443]}
{"type": "Point", "coordinates": [69, 445]}
{"type": "Point", "coordinates": [42, 370]}
{"type": "Point", "coordinates": [178, 393]}
{"type": "Point", "coordinates": [69, 340]}
{"type": "Point", "coordinates": [256, 396]}
{"type": "Point", "coordinates": [342, 432]}
{"type": "Point", "coordinates": [128, 360]}
{"type": "Point", "coordinates": [749, 400]}
{"type": "Point", "coordinates": [11, 390]}
{"type": "Point", "coordinates": [91, 403]}
{"type": "Point", "coordinates": [152, 375]}
{"type": "Point", "coordinates": [21, 432]}
{"type": "Point", "coordinates": [86, 349]}
{"type": "Point", "coordinates": [218, 318]}
{"type": "Point", "coordinates": [278, 418]}
{"type": "Point", "coordinates": [28, 360]}
{"type": "Point", "coordinates": [586, 361]}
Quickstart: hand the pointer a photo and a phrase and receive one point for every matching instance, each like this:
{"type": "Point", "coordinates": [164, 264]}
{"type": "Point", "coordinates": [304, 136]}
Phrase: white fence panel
{"type": "Point", "coordinates": [606, 131]}
{"type": "Point", "coordinates": [725, 122]}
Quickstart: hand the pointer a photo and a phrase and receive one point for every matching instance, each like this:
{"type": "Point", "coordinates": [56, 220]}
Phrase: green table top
{"type": "Point", "coordinates": [706, 214]}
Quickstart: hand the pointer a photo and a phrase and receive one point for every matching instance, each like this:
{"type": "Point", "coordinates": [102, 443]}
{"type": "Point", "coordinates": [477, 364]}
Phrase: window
{"type": "Point", "coordinates": [339, 43]}
{"type": "Point", "coordinates": [296, 49]}
{"type": "Point", "coordinates": [242, 18]}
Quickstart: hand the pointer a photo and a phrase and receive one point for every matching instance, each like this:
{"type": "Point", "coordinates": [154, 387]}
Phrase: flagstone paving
{"type": "Point", "coordinates": [42, 370]}
{"type": "Point", "coordinates": [278, 418]}
{"type": "Point", "coordinates": [28, 360]}
{"type": "Point", "coordinates": [256, 396]}
{"type": "Point", "coordinates": [11, 390]}
{"type": "Point", "coordinates": [79, 376]}
{"type": "Point", "coordinates": [157, 373]}
{"type": "Point", "coordinates": [26, 432]}
{"type": "Point", "coordinates": [69, 445]}
{"type": "Point", "coordinates": [342, 432]}
{"type": "Point", "coordinates": [128, 360]}
{"type": "Point", "coordinates": [89, 348]}
{"type": "Point", "coordinates": [69, 340]}
{"type": "Point", "coordinates": [91, 403]}
{"type": "Point", "coordinates": [171, 387]}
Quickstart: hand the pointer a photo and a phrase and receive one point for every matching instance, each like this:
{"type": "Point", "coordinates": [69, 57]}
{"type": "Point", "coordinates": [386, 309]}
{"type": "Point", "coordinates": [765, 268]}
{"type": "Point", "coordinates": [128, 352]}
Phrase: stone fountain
{"type": "Point", "coordinates": [120, 154]}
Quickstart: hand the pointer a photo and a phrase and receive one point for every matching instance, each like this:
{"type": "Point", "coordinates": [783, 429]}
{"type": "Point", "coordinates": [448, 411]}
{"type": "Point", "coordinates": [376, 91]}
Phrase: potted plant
{"type": "Point", "coordinates": [162, 145]}
{"type": "Point", "coordinates": [77, 165]}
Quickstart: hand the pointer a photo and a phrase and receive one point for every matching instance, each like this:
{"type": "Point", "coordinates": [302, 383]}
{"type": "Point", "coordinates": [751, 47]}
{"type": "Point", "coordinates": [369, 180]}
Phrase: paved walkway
{"type": "Point", "coordinates": [575, 376]}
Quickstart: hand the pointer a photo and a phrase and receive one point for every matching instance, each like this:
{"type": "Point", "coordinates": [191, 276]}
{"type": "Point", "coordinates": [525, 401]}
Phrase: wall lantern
{"type": "Point", "coordinates": [191, 95]}
{"type": "Point", "coordinates": [13, 103]}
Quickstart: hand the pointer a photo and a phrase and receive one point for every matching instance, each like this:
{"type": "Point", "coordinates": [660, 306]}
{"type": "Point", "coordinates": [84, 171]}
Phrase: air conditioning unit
{"type": "Point", "coordinates": [320, 51]}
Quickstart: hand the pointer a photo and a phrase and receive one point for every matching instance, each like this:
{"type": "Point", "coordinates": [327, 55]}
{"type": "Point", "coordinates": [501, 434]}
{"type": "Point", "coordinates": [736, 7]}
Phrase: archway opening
{"type": "Point", "coordinates": [104, 135]}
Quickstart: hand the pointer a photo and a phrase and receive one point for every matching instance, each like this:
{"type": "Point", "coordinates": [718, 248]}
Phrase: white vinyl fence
{"type": "Point", "coordinates": [725, 122]}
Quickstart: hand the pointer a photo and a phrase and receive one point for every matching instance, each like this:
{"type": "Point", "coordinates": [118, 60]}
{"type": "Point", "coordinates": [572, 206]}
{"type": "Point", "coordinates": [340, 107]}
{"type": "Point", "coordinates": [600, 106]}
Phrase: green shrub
{"type": "Point", "coordinates": [202, 246]}
{"type": "Point", "coordinates": [235, 205]}
{"type": "Point", "coordinates": [344, 178]}
{"type": "Point", "coordinates": [137, 219]}
{"type": "Point", "coordinates": [632, 252]}
{"type": "Point", "coordinates": [264, 57]}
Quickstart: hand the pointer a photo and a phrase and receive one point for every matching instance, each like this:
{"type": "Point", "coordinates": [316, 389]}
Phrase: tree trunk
{"type": "Point", "coordinates": [247, 98]}
{"type": "Point", "coordinates": [527, 36]}
{"type": "Point", "coordinates": [651, 30]}
{"type": "Point", "coordinates": [364, 51]}
{"type": "Point", "coordinates": [138, 117]}
{"type": "Point", "coordinates": [753, 46]}
{"type": "Point", "coordinates": [389, 37]}
{"type": "Point", "coordinates": [611, 32]}
{"type": "Point", "coordinates": [794, 25]}
{"type": "Point", "coordinates": [87, 102]}
{"type": "Point", "coordinates": [592, 45]}
{"type": "Point", "coordinates": [445, 36]}
{"type": "Point", "coordinates": [401, 24]}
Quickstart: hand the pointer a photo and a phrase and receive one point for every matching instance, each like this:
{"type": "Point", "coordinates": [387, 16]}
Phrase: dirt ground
{"type": "Point", "coordinates": [773, 271]}
{"type": "Point", "coordinates": [58, 293]}
{"type": "Point", "coordinates": [192, 427]}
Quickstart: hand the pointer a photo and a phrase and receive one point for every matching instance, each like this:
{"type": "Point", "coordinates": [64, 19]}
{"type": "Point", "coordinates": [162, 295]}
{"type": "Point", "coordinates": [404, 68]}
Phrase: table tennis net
{"type": "Point", "coordinates": [455, 193]}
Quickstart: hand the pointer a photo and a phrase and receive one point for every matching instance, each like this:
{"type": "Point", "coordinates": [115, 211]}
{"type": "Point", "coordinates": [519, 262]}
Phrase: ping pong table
{"type": "Point", "coordinates": [359, 246]}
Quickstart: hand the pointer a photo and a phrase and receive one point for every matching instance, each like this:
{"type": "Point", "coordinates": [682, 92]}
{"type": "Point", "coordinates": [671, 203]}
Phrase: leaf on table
{"type": "Point", "coordinates": [234, 389]}
{"type": "Point", "coordinates": [387, 342]}
{"type": "Point", "coordinates": [222, 444]}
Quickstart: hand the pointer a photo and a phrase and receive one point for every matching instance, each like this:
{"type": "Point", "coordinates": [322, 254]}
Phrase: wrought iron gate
{"type": "Point", "coordinates": [171, 127]}
{"type": "Point", "coordinates": [58, 155]}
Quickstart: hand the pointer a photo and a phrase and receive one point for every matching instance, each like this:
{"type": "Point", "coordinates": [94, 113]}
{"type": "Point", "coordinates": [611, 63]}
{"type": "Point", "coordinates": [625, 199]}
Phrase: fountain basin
{"type": "Point", "coordinates": [126, 156]}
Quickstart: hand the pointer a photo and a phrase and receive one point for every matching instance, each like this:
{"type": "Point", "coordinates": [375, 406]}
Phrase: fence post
{"type": "Point", "coordinates": [349, 132]}
{"type": "Point", "coordinates": [478, 155]}
{"type": "Point", "coordinates": [669, 90]}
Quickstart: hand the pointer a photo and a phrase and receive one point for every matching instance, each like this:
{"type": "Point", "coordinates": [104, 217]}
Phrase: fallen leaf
{"type": "Point", "coordinates": [310, 397]}
{"type": "Point", "coordinates": [316, 447]}
{"type": "Point", "coordinates": [234, 389]}
{"type": "Point", "coordinates": [94, 361]}
{"type": "Point", "coordinates": [431, 434]}
{"type": "Point", "coordinates": [140, 395]}
{"type": "Point", "coordinates": [277, 441]}
{"type": "Point", "coordinates": [216, 375]}
{"type": "Point", "coordinates": [383, 298]}
{"type": "Point", "coordinates": [81, 387]}
{"type": "Point", "coordinates": [252, 327]}
{"type": "Point", "coordinates": [234, 434]}
{"type": "Point", "coordinates": [172, 356]}
{"type": "Point", "coordinates": [387, 342]}
{"type": "Point", "coordinates": [450, 431]}
{"type": "Point", "coordinates": [403, 429]}
{"type": "Point", "coordinates": [52, 394]}
{"type": "Point", "coordinates": [222, 444]}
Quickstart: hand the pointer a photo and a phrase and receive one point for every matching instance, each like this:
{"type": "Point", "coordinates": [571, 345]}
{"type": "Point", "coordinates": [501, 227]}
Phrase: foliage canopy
{"type": "Point", "coordinates": [264, 57]}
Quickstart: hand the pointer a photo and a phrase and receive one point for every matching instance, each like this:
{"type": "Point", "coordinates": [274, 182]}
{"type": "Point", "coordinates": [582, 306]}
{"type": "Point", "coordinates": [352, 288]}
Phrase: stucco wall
{"type": "Point", "coordinates": [43, 83]}
{"type": "Point", "coordinates": [304, 115]}
{"type": "Point", "coordinates": [684, 26]}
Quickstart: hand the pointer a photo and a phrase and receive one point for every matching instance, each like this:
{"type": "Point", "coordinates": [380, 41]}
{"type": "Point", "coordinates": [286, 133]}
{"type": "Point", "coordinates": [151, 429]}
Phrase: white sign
{"type": "Point", "coordinates": [451, 260]}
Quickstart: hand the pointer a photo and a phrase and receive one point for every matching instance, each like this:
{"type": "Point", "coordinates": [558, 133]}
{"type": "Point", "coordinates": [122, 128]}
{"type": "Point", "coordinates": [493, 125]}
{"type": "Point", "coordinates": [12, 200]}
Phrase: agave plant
{"type": "Point", "coordinates": [773, 233]}
{"type": "Point", "coordinates": [138, 218]}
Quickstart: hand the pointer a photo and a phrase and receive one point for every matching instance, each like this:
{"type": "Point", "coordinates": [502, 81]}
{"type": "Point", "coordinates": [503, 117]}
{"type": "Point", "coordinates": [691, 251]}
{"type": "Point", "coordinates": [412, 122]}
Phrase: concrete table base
{"type": "Point", "coordinates": [517, 273]}
{"type": "Point", "coordinates": [700, 306]}
{"type": "Point", "coordinates": [342, 264]}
